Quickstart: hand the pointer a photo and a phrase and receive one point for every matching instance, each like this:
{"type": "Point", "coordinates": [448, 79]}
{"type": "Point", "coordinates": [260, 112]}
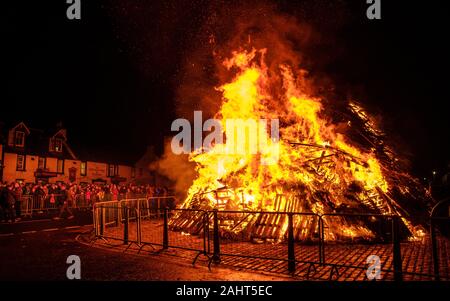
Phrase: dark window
{"type": "Point", "coordinates": [133, 172]}
{"type": "Point", "coordinates": [113, 170]}
{"type": "Point", "coordinates": [20, 163]}
{"type": "Point", "coordinates": [83, 168]}
{"type": "Point", "coordinates": [19, 139]}
{"type": "Point", "coordinates": [42, 163]}
{"type": "Point", "coordinates": [60, 166]}
{"type": "Point", "coordinates": [110, 170]}
{"type": "Point", "coordinates": [58, 145]}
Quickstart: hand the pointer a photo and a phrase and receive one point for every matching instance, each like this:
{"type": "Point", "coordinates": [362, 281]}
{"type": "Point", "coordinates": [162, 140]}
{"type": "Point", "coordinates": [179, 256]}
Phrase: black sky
{"type": "Point", "coordinates": [111, 77]}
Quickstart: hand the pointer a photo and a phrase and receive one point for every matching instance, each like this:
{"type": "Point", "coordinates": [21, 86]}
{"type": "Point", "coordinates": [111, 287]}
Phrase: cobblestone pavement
{"type": "Point", "coordinates": [343, 261]}
{"type": "Point", "coordinates": [41, 255]}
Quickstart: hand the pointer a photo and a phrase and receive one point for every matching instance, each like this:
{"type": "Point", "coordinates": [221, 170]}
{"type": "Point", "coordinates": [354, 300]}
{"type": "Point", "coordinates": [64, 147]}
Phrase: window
{"type": "Point", "coordinates": [20, 163]}
{"type": "Point", "coordinates": [60, 166]}
{"type": "Point", "coordinates": [83, 169]}
{"type": "Point", "coordinates": [133, 172]}
{"type": "Point", "coordinates": [58, 145]}
{"type": "Point", "coordinates": [42, 162]}
{"type": "Point", "coordinates": [113, 170]}
{"type": "Point", "coordinates": [110, 170]}
{"type": "Point", "coordinates": [19, 139]}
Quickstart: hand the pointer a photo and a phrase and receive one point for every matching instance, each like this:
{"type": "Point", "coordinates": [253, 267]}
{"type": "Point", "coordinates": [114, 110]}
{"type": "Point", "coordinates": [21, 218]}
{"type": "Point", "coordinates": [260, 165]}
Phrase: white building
{"type": "Point", "coordinates": [32, 155]}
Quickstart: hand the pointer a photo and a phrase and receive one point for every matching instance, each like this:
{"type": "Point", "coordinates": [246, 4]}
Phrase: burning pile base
{"type": "Point", "coordinates": [271, 226]}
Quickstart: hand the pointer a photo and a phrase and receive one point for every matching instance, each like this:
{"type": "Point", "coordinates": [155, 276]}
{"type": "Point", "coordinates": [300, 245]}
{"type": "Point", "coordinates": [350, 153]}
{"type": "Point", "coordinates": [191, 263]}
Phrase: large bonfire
{"type": "Point", "coordinates": [314, 166]}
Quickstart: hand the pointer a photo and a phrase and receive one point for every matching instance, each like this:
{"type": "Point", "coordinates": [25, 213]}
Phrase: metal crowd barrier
{"type": "Point", "coordinates": [274, 236]}
{"type": "Point", "coordinates": [31, 204]}
{"type": "Point", "coordinates": [277, 236]}
{"type": "Point", "coordinates": [439, 225]}
{"type": "Point", "coordinates": [386, 229]}
{"type": "Point", "coordinates": [81, 202]}
{"type": "Point", "coordinates": [149, 206]}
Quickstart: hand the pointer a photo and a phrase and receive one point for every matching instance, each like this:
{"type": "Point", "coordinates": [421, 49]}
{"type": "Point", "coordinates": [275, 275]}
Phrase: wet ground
{"type": "Point", "coordinates": [344, 262]}
{"type": "Point", "coordinates": [38, 249]}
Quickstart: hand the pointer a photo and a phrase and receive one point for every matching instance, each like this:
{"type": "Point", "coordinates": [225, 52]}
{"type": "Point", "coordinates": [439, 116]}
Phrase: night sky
{"type": "Point", "coordinates": [112, 76]}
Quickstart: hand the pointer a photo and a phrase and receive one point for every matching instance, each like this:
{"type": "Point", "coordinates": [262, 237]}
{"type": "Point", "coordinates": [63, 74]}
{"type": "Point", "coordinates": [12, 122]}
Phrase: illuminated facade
{"type": "Point", "coordinates": [32, 155]}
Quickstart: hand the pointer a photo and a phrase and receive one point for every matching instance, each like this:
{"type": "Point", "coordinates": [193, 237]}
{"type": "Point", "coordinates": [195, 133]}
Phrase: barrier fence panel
{"type": "Point", "coordinates": [130, 218]}
{"type": "Point", "coordinates": [152, 227]}
{"type": "Point", "coordinates": [80, 201]}
{"type": "Point", "coordinates": [111, 221]}
{"type": "Point", "coordinates": [440, 247]}
{"type": "Point", "coordinates": [354, 243]}
{"type": "Point", "coordinates": [106, 221]}
{"type": "Point", "coordinates": [37, 204]}
{"type": "Point", "coordinates": [134, 232]}
{"type": "Point", "coordinates": [150, 207]}
{"type": "Point", "coordinates": [415, 253]}
{"type": "Point", "coordinates": [26, 205]}
{"type": "Point", "coordinates": [265, 239]}
{"type": "Point", "coordinates": [187, 229]}
{"type": "Point", "coordinates": [307, 243]}
{"type": "Point", "coordinates": [132, 203]}
{"type": "Point", "coordinates": [51, 203]}
{"type": "Point", "coordinates": [40, 203]}
{"type": "Point", "coordinates": [149, 216]}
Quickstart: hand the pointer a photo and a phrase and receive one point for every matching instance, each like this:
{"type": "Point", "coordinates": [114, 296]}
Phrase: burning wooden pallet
{"type": "Point", "coordinates": [254, 225]}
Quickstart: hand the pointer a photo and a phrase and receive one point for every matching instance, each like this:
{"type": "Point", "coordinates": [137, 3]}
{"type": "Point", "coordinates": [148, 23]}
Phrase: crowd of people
{"type": "Point", "coordinates": [63, 196]}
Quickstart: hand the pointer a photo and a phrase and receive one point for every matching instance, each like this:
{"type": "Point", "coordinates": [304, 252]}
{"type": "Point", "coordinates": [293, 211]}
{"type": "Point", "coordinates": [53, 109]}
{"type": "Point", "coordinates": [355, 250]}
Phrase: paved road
{"type": "Point", "coordinates": [45, 223]}
{"type": "Point", "coordinates": [37, 250]}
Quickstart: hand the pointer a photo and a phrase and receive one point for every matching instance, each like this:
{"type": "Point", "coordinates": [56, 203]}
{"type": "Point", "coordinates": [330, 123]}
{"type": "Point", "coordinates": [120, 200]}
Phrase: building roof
{"type": "Point", "coordinates": [37, 144]}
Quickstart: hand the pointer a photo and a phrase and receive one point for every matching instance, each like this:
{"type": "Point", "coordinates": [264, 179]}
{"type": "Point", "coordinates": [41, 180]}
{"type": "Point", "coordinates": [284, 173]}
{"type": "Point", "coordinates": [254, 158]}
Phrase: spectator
{"type": "Point", "coordinates": [62, 202]}
{"type": "Point", "coordinates": [17, 191]}
{"type": "Point", "coordinates": [44, 196]}
{"type": "Point", "coordinates": [10, 202]}
{"type": "Point", "coordinates": [88, 196]}
{"type": "Point", "coordinates": [3, 203]}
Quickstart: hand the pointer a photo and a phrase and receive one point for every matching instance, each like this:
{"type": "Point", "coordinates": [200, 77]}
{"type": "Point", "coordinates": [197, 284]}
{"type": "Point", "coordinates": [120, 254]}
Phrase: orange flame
{"type": "Point", "coordinates": [312, 155]}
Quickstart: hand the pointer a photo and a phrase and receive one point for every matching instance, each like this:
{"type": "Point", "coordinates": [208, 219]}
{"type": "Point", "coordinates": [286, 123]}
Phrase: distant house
{"type": "Point", "coordinates": [142, 167]}
{"type": "Point", "coordinates": [32, 155]}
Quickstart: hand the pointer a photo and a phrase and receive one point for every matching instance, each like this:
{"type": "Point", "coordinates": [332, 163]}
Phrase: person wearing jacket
{"type": "Point", "coordinates": [62, 201]}
{"type": "Point", "coordinates": [10, 197]}
{"type": "Point", "coordinates": [3, 202]}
